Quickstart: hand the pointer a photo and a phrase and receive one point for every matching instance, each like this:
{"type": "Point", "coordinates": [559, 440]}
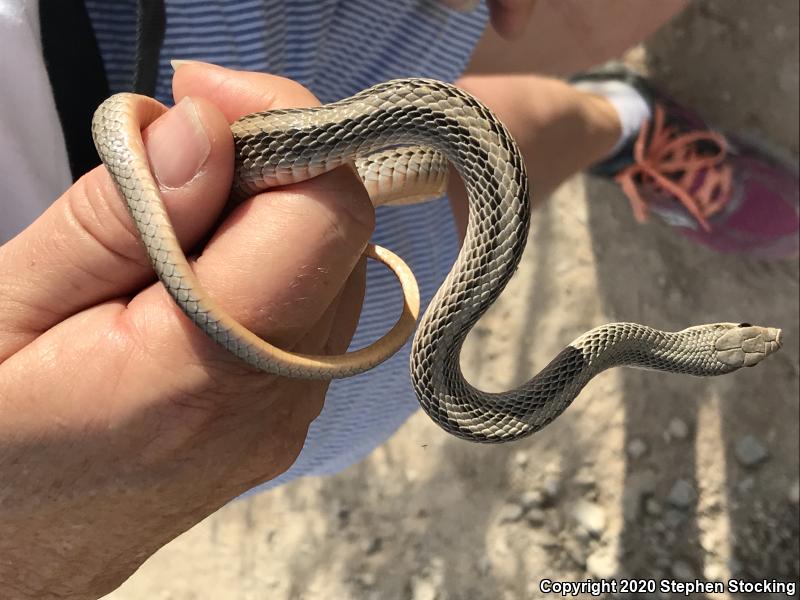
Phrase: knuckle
{"type": "Point", "coordinates": [94, 207]}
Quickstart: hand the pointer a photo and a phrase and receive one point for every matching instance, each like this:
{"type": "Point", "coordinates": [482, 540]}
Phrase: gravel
{"type": "Point", "coordinates": [639, 486]}
{"type": "Point", "coordinates": [637, 448]}
{"type": "Point", "coordinates": [750, 452]}
{"type": "Point", "coordinates": [511, 513]}
{"type": "Point", "coordinates": [591, 516]}
{"type": "Point", "coordinates": [602, 564]}
{"type": "Point", "coordinates": [532, 499]}
{"type": "Point", "coordinates": [682, 495]}
{"type": "Point", "coordinates": [678, 429]}
{"type": "Point", "coordinates": [536, 517]}
{"type": "Point", "coordinates": [653, 507]}
{"type": "Point", "coordinates": [551, 490]}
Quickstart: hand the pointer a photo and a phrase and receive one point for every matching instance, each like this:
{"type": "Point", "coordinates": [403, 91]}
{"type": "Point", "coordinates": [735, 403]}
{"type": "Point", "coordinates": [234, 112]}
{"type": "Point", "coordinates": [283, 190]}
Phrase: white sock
{"type": "Point", "coordinates": [632, 109]}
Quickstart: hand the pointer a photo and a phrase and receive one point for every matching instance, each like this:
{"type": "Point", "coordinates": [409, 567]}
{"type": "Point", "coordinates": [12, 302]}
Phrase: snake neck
{"type": "Point", "coordinates": [690, 351]}
{"type": "Point", "coordinates": [479, 416]}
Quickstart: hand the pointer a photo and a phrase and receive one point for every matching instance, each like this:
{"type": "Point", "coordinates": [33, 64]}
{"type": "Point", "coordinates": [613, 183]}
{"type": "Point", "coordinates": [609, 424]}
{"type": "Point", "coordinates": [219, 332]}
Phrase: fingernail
{"type": "Point", "coordinates": [177, 63]}
{"type": "Point", "coordinates": [177, 145]}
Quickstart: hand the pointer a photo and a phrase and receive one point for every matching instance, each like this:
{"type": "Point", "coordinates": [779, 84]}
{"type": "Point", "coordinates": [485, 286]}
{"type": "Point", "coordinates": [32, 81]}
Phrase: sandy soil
{"type": "Point", "coordinates": [646, 475]}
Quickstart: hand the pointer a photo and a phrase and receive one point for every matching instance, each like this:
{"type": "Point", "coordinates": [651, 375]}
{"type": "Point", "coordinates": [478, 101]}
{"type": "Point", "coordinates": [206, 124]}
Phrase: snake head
{"type": "Point", "coordinates": [746, 345]}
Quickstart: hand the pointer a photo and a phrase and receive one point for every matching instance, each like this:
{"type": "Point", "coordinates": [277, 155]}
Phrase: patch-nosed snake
{"type": "Point", "coordinates": [401, 134]}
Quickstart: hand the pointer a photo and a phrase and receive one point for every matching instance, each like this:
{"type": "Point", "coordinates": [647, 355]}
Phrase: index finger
{"type": "Point", "coordinates": [237, 93]}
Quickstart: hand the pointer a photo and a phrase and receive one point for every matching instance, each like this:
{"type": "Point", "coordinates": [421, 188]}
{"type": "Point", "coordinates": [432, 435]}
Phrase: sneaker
{"type": "Point", "coordinates": [718, 189]}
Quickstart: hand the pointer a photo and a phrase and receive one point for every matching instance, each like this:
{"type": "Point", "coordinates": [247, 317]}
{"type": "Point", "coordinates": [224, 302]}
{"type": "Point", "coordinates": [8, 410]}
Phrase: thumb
{"type": "Point", "coordinates": [84, 249]}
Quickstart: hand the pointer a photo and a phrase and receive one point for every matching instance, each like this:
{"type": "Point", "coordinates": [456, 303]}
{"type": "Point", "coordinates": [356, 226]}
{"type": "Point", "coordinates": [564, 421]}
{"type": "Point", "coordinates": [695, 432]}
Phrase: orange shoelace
{"type": "Point", "coordinates": [672, 161]}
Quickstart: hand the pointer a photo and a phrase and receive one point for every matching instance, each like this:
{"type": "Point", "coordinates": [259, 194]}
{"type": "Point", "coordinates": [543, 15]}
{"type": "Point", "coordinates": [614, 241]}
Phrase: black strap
{"type": "Point", "coordinates": [76, 74]}
{"type": "Point", "coordinates": [150, 26]}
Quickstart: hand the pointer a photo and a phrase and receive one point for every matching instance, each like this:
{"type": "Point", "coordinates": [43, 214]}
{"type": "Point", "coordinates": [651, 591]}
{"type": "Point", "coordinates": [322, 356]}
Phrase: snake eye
{"type": "Point", "coordinates": [745, 325]}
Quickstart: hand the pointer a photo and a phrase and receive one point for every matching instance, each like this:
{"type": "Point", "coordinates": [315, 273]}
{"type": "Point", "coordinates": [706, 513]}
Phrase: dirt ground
{"type": "Point", "coordinates": [646, 475]}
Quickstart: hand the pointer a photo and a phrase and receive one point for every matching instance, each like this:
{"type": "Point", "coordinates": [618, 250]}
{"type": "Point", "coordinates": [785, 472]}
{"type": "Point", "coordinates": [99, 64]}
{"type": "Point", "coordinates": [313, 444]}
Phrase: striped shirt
{"type": "Point", "coordinates": [335, 48]}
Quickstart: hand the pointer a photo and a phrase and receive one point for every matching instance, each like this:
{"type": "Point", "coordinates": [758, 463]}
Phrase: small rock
{"type": "Point", "coordinates": [367, 579]}
{"type": "Point", "coordinates": [678, 429]}
{"type": "Point", "coordinates": [750, 452]}
{"type": "Point", "coordinates": [653, 507]}
{"type": "Point", "coordinates": [745, 485]}
{"type": "Point", "coordinates": [576, 551]}
{"type": "Point", "coordinates": [532, 499]}
{"type": "Point", "coordinates": [373, 545]}
{"type": "Point", "coordinates": [582, 535]}
{"type": "Point", "coordinates": [584, 479]}
{"type": "Point", "coordinates": [682, 571]}
{"type": "Point", "coordinates": [521, 459]}
{"type": "Point", "coordinates": [637, 448]}
{"type": "Point", "coordinates": [511, 513]}
{"type": "Point", "coordinates": [536, 517]}
{"type": "Point", "coordinates": [639, 485]}
{"type": "Point", "coordinates": [591, 516]}
{"type": "Point", "coordinates": [682, 494]}
{"type": "Point", "coordinates": [423, 589]}
{"type": "Point", "coordinates": [794, 492]}
{"type": "Point", "coordinates": [550, 490]}
{"type": "Point", "coordinates": [602, 564]}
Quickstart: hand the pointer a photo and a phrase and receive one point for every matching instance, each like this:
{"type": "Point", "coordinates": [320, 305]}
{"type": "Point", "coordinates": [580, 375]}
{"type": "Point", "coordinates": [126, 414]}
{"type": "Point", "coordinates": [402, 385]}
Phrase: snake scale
{"type": "Point", "coordinates": [408, 129]}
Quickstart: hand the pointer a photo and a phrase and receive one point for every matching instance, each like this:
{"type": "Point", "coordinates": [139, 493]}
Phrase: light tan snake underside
{"type": "Point", "coordinates": [437, 121]}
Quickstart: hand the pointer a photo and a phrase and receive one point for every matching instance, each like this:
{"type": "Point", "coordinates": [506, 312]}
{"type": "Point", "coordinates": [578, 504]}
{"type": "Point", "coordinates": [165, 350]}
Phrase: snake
{"type": "Point", "coordinates": [401, 135]}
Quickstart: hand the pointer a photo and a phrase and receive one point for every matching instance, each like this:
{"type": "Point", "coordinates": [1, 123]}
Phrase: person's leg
{"type": "Point", "coordinates": [560, 130]}
{"type": "Point", "coordinates": [721, 191]}
{"type": "Point", "coordinates": [567, 36]}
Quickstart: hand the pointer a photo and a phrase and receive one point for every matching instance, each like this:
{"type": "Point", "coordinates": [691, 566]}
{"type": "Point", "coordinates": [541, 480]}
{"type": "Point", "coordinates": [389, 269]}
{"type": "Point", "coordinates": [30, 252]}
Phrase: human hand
{"type": "Point", "coordinates": [509, 17]}
{"type": "Point", "coordinates": [121, 424]}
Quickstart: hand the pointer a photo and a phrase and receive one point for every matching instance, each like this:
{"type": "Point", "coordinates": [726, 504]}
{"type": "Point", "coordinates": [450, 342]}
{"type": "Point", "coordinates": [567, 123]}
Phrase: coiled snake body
{"type": "Point", "coordinates": [402, 131]}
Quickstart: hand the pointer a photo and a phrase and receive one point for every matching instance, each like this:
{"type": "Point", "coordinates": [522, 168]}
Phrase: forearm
{"type": "Point", "coordinates": [566, 36]}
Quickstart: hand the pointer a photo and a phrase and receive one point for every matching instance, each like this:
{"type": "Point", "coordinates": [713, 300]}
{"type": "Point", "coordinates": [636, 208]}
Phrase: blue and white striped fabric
{"type": "Point", "coordinates": [335, 48]}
